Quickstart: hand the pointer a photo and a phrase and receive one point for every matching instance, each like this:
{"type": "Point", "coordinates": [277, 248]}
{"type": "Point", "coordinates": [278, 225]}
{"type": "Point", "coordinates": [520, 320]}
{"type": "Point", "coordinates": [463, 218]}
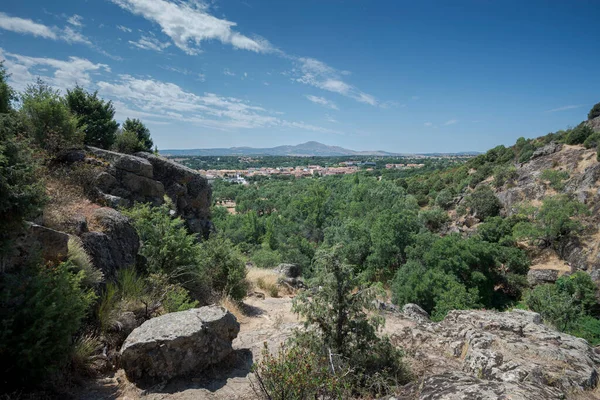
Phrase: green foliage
{"type": "Point", "coordinates": [41, 308]}
{"type": "Point", "coordinates": [225, 268]}
{"type": "Point", "coordinates": [555, 178]}
{"type": "Point", "coordinates": [578, 135]}
{"type": "Point", "coordinates": [7, 94]}
{"type": "Point", "coordinates": [592, 141]}
{"type": "Point", "coordinates": [48, 119]}
{"type": "Point", "coordinates": [265, 258]}
{"type": "Point", "coordinates": [95, 117]}
{"type": "Point", "coordinates": [296, 373]}
{"type": "Point", "coordinates": [167, 245]}
{"type": "Point", "coordinates": [141, 131]}
{"type": "Point", "coordinates": [554, 305]}
{"type": "Point", "coordinates": [341, 320]}
{"type": "Point", "coordinates": [594, 112]}
{"type": "Point", "coordinates": [444, 199]}
{"type": "Point", "coordinates": [504, 174]}
{"type": "Point", "coordinates": [483, 203]}
{"type": "Point", "coordinates": [553, 221]}
{"type": "Point", "coordinates": [582, 290]}
{"type": "Point", "coordinates": [434, 219]}
{"type": "Point", "coordinates": [22, 194]}
{"type": "Point", "coordinates": [587, 328]}
{"type": "Point", "coordinates": [127, 142]}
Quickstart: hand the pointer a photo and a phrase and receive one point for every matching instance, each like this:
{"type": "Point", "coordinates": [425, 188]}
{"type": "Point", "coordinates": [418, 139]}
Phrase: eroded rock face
{"type": "Point", "coordinates": [541, 276]}
{"type": "Point", "coordinates": [178, 343]}
{"type": "Point", "coordinates": [499, 354]}
{"type": "Point", "coordinates": [146, 178]}
{"type": "Point", "coordinates": [116, 246]}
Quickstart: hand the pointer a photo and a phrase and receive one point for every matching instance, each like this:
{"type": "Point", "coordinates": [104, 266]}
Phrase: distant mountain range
{"type": "Point", "coordinates": [308, 149]}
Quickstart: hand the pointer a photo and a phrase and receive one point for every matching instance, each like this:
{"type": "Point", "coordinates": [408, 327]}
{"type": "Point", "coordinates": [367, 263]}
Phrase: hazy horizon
{"type": "Point", "coordinates": [396, 76]}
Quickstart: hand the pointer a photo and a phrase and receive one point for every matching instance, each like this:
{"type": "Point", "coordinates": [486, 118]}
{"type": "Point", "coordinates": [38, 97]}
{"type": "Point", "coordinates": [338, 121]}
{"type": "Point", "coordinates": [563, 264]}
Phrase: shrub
{"type": "Point", "coordinates": [48, 119]}
{"type": "Point", "coordinates": [265, 258]}
{"type": "Point", "coordinates": [444, 199]}
{"type": "Point", "coordinates": [594, 112]}
{"type": "Point", "coordinates": [95, 117]}
{"type": "Point", "coordinates": [587, 328]}
{"type": "Point", "coordinates": [483, 203]}
{"type": "Point", "coordinates": [434, 219]}
{"type": "Point", "coordinates": [127, 142]}
{"type": "Point", "coordinates": [592, 141]}
{"type": "Point", "coordinates": [555, 306]}
{"type": "Point", "coordinates": [83, 351]}
{"type": "Point", "coordinates": [41, 309]}
{"type": "Point", "coordinates": [555, 178]}
{"type": "Point", "coordinates": [22, 193]}
{"type": "Point", "coordinates": [296, 373]}
{"type": "Point", "coordinates": [341, 320]}
{"type": "Point", "coordinates": [504, 174]}
{"type": "Point", "coordinates": [578, 135]}
{"type": "Point", "coordinates": [225, 268]}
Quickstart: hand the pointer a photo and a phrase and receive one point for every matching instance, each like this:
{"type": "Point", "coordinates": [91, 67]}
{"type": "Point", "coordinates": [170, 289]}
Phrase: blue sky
{"type": "Point", "coordinates": [404, 76]}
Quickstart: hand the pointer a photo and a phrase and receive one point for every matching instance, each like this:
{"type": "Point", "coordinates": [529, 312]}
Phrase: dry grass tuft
{"type": "Point", "coordinates": [265, 281]}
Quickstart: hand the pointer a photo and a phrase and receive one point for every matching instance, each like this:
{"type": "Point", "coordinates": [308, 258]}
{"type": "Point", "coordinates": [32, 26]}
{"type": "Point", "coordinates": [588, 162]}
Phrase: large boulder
{"type": "Point", "coordinates": [540, 276]}
{"type": "Point", "coordinates": [179, 343]}
{"type": "Point", "coordinates": [501, 353]}
{"type": "Point", "coordinates": [115, 245]}
{"type": "Point", "coordinates": [288, 270]}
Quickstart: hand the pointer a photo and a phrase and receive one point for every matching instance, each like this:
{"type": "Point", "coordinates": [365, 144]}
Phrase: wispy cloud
{"type": "Point", "coordinates": [451, 122]}
{"type": "Point", "coordinates": [76, 20]}
{"type": "Point", "coordinates": [428, 124]}
{"type": "Point", "coordinates": [25, 26]}
{"type": "Point", "coordinates": [184, 71]}
{"type": "Point", "coordinates": [124, 28]}
{"type": "Point", "coordinates": [189, 24]}
{"type": "Point", "coordinates": [564, 108]}
{"type": "Point", "coordinates": [227, 72]}
{"type": "Point", "coordinates": [149, 43]}
{"type": "Point", "coordinates": [318, 74]}
{"type": "Point", "coordinates": [322, 101]}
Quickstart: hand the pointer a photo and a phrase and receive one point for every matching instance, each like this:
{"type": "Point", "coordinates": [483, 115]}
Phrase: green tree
{"type": "Point", "coordinates": [578, 135]}
{"type": "Point", "coordinates": [7, 94]}
{"type": "Point", "coordinates": [444, 199]}
{"type": "Point", "coordinates": [96, 117]}
{"type": "Point", "coordinates": [127, 142]}
{"type": "Point", "coordinates": [594, 112]}
{"type": "Point", "coordinates": [341, 320]}
{"type": "Point", "coordinates": [22, 193]}
{"type": "Point", "coordinates": [142, 132]}
{"type": "Point", "coordinates": [483, 203]}
{"type": "Point", "coordinates": [48, 119]}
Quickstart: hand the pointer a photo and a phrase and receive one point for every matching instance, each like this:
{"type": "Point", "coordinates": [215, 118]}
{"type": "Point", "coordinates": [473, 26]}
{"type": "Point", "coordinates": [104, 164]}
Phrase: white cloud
{"type": "Point", "coordinates": [451, 122]}
{"type": "Point", "coordinates": [75, 20]}
{"type": "Point", "coordinates": [322, 101]}
{"type": "Point", "coordinates": [57, 73]}
{"type": "Point", "coordinates": [189, 24]}
{"type": "Point", "coordinates": [415, 98]}
{"type": "Point", "coordinates": [318, 74]}
{"type": "Point", "coordinates": [124, 28]}
{"type": "Point", "coordinates": [70, 35]}
{"type": "Point", "coordinates": [150, 43]}
{"type": "Point", "coordinates": [184, 71]}
{"type": "Point", "coordinates": [227, 72]}
{"type": "Point", "coordinates": [25, 26]}
{"type": "Point", "coordinates": [163, 100]}
{"type": "Point", "coordinates": [428, 124]}
{"type": "Point", "coordinates": [564, 108]}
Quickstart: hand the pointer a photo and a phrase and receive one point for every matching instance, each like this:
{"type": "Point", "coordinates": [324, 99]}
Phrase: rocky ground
{"type": "Point", "coordinates": [470, 355]}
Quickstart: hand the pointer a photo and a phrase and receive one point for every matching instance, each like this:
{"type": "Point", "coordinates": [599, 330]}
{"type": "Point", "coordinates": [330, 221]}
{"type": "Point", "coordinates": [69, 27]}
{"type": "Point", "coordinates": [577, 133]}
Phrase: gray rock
{"type": "Point", "coordinates": [116, 246]}
{"type": "Point", "coordinates": [105, 182]}
{"type": "Point", "coordinates": [71, 156]}
{"type": "Point", "coordinates": [546, 150]}
{"type": "Point", "coordinates": [505, 350]}
{"type": "Point", "coordinates": [289, 270]}
{"type": "Point", "coordinates": [113, 201]}
{"type": "Point", "coordinates": [142, 187]}
{"type": "Point", "coordinates": [178, 344]}
{"type": "Point", "coordinates": [414, 312]}
{"type": "Point", "coordinates": [456, 385]}
{"type": "Point", "coordinates": [51, 245]}
{"type": "Point", "coordinates": [135, 165]}
{"type": "Point", "coordinates": [541, 276]}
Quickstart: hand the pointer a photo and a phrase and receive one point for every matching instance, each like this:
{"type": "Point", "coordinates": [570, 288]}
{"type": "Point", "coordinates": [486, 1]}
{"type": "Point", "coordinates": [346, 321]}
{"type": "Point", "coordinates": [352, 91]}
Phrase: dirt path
{"type": "Point", "coordinates": [267, 320]}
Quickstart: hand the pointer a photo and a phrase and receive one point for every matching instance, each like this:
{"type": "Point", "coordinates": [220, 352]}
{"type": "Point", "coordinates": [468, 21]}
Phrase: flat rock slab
{"type": "Point", "coordinates": [178, 344]}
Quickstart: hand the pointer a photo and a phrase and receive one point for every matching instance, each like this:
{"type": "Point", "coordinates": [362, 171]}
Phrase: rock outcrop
{"type": "Point", "coordinates": [178, 344]}
{"type": "Point", "coordinates": [541, 276]}
{"type": "Point", "coordinates": [115, 246]}
{"type": "Point", "coordinates": [146, 178]}
{"type": "Point", "coordinates": [497, 354]}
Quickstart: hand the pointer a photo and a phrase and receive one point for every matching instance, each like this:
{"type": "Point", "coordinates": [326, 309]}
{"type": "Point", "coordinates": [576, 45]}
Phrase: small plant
{"type": "Point", "coordinates": [83, 262]}
{"type": "Point", "coordinates": [84, 350]}
{"type": "Point", "coordinates": [555, 178]}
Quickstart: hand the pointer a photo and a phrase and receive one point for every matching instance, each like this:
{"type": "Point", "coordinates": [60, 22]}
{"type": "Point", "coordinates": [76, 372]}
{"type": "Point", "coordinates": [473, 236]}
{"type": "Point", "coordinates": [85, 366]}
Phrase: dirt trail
{"type": "Point", "coordinates": [266, 320]}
